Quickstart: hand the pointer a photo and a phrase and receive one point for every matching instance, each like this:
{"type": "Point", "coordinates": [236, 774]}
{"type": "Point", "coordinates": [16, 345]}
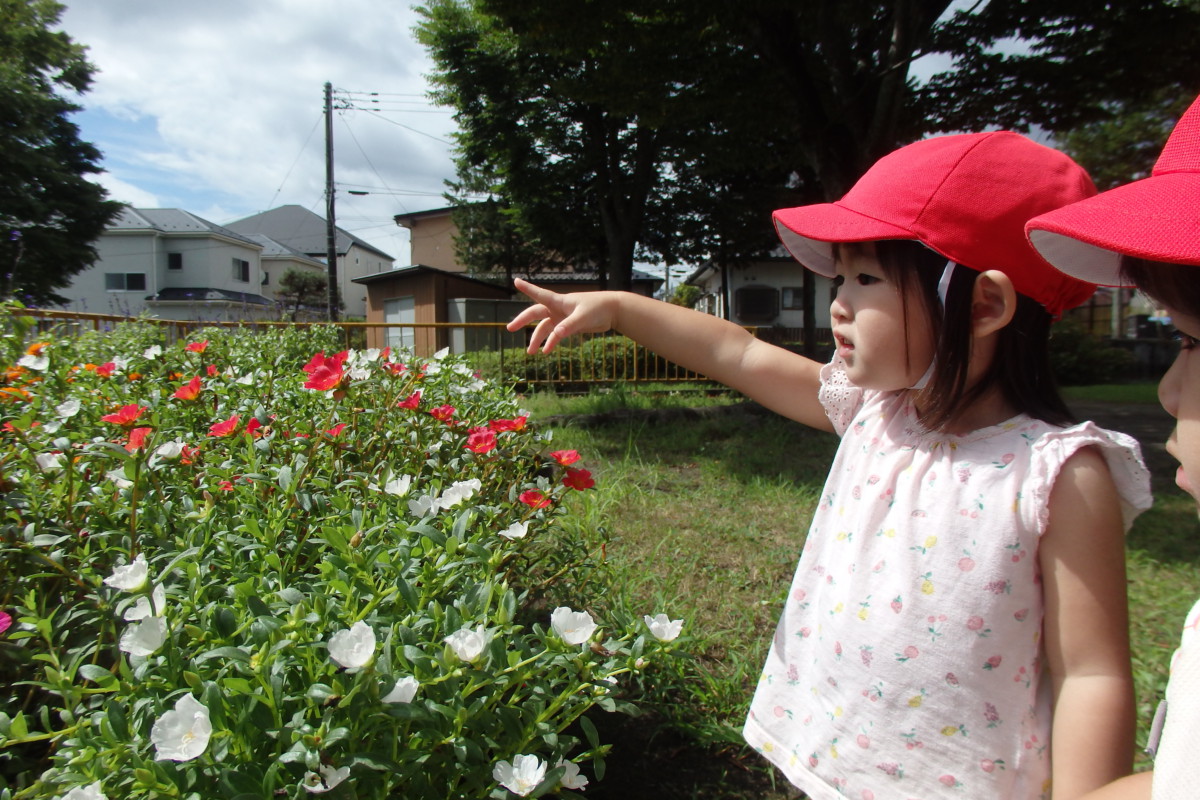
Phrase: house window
{"type": "Point", "coordinates": [241, 270]}
{"type": "Point", "coordinates": [793, 297]}
{"type": "Point", "coordinates": [174, 260]}
{"type": "Point", "coordinates": [125, 281]}
{"type": "Point", "coordinates": [756, 303]}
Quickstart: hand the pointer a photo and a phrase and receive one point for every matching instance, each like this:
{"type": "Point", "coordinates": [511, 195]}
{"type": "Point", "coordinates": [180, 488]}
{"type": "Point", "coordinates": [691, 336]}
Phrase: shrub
{"type": "Point", "coordinates": [598, 358]}
{"type": "Point", "coordinates": [1079, 359]}
{"type": "Point", "coordinates": [228, 576]}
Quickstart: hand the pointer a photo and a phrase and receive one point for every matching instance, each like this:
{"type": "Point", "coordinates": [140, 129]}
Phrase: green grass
{"type": "Point", "coordinates": [1113, 393]}
{"type": "Point", "coordinates": [707, 512]}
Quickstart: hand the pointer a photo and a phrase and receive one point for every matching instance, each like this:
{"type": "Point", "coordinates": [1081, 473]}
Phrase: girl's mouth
{"type": "Point", "coordinates": [844, 345]}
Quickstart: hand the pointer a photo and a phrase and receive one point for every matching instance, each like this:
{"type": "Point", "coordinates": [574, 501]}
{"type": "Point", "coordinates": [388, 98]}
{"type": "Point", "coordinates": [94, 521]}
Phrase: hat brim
{"type": "Point", "coordinates": [809, 232]}
{"type": "Point", "coordinates": [1157, 218]}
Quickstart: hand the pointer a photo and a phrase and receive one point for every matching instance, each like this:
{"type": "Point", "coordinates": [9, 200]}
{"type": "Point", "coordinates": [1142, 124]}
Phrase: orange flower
{"type": "Point", "coordinates": [189, 391]}
{"type": "Point", "coordinates": [126, 415]}
{"type": "Point", "coordinates": [565, 458]}
{"type": "Point", "coordinates": [137, 439]}
{"type": "Point", "coordinates": [506, 425]}
{"type": "Point", "coordinates": [197, 347]}
{"type": "Point", "coordinates": [224, 428]}
{"type": "Point", "coordinates": [36, 348]}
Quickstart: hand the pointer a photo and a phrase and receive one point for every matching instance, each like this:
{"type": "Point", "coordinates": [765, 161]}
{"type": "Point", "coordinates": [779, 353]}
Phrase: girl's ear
{"type": "Point", "coordinates": [993, 303]}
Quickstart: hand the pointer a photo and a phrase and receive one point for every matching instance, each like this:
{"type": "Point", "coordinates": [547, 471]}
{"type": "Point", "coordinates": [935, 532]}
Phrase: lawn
{"type": "Point", "coordinates": [707, 509]}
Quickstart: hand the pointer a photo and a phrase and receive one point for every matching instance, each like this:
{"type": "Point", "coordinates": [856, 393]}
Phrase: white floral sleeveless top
{"type": "Point", "coordinates": [1175, 773]}
{"type": "Point", "coordinates": [907, 662]}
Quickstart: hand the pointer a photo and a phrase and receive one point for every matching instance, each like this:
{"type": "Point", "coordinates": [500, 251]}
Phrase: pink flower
{"type": "Point", "coordinates": [5, 621]}
{"type": "Point", "coordinates": [578, 479]}
{"type": "Point", "coordinates": [189, 391]}
{"type": "Point", "coordinates": [197, 347]}
{"type": "Point", "coordinates": [442, 413]}
{"type": "Point", "coordinates": [974, 623]}
{"type": "Point", "coordinates": [992, 662]}
{"type": "Point", "coordinates": [224, 428]}
{"type": "Point", "coordinates": [534, 499]}
{"type": "Point", "coordinates": [412, 401]}
{"type": "Point", "coordinates": [126, 415]}
{"type": "Point", "coordinates": [565, 457]}
{"type": "Point", "coordinates": [480, 440]}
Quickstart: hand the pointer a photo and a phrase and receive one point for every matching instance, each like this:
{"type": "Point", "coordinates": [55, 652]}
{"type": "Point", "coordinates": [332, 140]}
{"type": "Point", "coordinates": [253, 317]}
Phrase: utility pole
{"type": "Point", "coordinates": [330, 224]}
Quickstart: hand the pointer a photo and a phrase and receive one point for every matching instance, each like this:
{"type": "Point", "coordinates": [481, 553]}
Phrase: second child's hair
{"type": "Point", "coordinates": [1174, 285]}
{"type": "Point", "coordinates": [1020, 369]}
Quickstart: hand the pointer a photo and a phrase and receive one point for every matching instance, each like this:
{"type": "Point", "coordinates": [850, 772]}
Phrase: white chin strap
{"type": "Point", "coordinates": [942, 290]}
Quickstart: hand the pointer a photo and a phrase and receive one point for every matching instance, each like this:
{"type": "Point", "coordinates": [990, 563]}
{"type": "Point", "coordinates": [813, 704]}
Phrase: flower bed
{"type": "Point", "coordinates": [233, 568]}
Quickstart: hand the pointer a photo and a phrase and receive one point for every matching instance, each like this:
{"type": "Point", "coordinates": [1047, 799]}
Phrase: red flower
{"type": "Point", "coordinates": [126, 415]}
{"type": "Point", "coordinates": [480, 440]}
{"type": "Point", "coordinates": [106, 369]}
{"type": "Point", "coordinates": [189, 454]}
{"type": "Point", "coordinates": [324, 378]}
{"type": "Point", "coordinates": [534, 499]}
{"type": "Point", "coordinates": [252, 427]}
{"type": "Point", "coordinates": [395, 368]}
{"type": "Point", "coordinates": [224, 428]}
{"type": "Point", "coordinates": [578, 479]}
{"type": "Point", "coordinates": [225, 486]}
{"type": "Point", "coordinates": [137, 439]}
{"type": "Point", "coordinates": [565, 457]}
{"type": "Point", "coordinates": [336, 429]}
{"type": "Point", "coordinates": [197, 347]}
{"type": "Point", "coordinates": [412, 401]}
{"type": "Point", "coordinates": [442, 413]}
{"type": "Point", "coordinates": [212, 370]}
{"type": "Point", "coordinates": [321, 360]}
{"type": "Point", "coordinates": [189, 391]}
{"type": "Point", "coordinates": [506, 425]}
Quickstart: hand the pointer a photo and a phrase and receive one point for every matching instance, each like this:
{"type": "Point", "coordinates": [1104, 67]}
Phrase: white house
{"type": "Point", "coordinates": [306, 232]}
{"type": "Point", "coordinates": [768, 293]}
{"type": "Point", "coordinates": [175, 265]}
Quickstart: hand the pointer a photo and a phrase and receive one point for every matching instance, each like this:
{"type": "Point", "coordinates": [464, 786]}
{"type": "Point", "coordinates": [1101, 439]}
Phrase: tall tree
{"type": "Point", "coordinates": [299, 289]}
{"type": "Point", "coordinates": [670, 128]}
{"type": "Point", "coordinates": [50, 213]}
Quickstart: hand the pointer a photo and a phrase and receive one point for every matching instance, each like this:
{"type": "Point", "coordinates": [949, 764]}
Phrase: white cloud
{"type": "Point", "coordinates": [216, 107]}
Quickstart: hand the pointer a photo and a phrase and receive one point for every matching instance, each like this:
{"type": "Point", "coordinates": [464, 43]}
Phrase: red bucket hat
{"type": "Point", "coordinates": [1157, 218]}
{"type": "Point", "coordinates": [967, 196]}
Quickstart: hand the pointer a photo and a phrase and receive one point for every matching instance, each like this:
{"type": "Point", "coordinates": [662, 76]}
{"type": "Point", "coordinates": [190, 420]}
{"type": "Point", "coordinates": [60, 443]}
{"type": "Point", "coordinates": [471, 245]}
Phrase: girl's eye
{"type": "Point", "coordinates": [866, 280]}
{"type": "Point", "coordinates": [1186, 342]}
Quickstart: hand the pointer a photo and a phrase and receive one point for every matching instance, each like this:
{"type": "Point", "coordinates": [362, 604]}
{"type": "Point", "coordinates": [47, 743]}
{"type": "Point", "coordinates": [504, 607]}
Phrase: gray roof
{"type": "Point", "coordinates": [171, 220]}
{"type": "Point", "coordinates": [201, 295]}
{"type": "Point", "coordinates": [301, 229]}
{"type": "Point", "coordinates": [274, 249]}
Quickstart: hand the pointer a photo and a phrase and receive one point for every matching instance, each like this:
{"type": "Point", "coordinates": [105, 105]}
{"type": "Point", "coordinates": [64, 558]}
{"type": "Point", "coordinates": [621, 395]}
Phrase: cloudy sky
{"type": "Point", "coordinates": [216, 107]}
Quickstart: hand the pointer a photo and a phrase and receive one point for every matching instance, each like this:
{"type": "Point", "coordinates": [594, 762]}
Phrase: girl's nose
{"type": "Point", "coordinates": [1170, 386]}
{"type": "Point", "coordinates": [838, 311]}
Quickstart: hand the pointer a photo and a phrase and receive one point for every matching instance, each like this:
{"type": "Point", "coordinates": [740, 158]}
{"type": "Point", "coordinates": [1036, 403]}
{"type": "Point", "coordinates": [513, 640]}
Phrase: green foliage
{"type": "Point", "coordinates": [1078, 359]}
{"type": "Point", "coordinates": [50, 213]}
{"type": "Point", "coordinates": [300, 288]}
{"type": "Point", "coordinates": [306, 553]}
{"type": "Point", "coordinates": [601, 358]}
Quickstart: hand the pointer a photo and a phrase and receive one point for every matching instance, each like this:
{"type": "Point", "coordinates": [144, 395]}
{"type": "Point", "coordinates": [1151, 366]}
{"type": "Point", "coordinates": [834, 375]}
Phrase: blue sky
{"type": "Point", "coordinates": [216, 108]}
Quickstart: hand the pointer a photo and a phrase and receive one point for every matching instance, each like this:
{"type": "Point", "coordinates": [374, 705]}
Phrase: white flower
{"type": "Point", "coordinates": [121, 362]}
{"type": "Point", "coordinates": [424, 506]}
{"type": "Point", "coordinates": [89, 792]}
{"type": "Point", "coordinates": [468, 644]}
{"type": "Point", "coordinates": [246, 380]}
{"type": "Point", "coordinates": [68, 409]}
{"type": "Point", "coordinates": [460, 491]}
{"type": "Point", "coordinates": [169, 451]}
{"type": "Point", "coordinates": [571, 778]}
{"type": "Point", "coordinates": [145, 637]}
{"type": "Point", "coordinates": [181, 734]}
{"type": "Point", "coordinates": [49, 462]}
{"type": "Point", "coordinates": [663, 628]}
{"type": "Point", "coordinates": [35, 363]}
{"type": "Point", "coordinates": [522, 776]}
{"type": "Point", "coordinates": [515, 531]}
{"type": "Point", "coordinates": [353, 648]}
{"type": "Point", "coordinates": [573, 627]}
{"type": "Point", "coordinates": [117, 476]}
{"type": "Point", "coordinates": [132, 577]}
{"type": "Point", "coordinates": [403, 692]}
{"type": "Point", "coordinates": [142, 608]}
{"type": "Point", "coordinates": [440, 354]}
{"type": "Point", "coordinates": [328, 779]}
{"type": "Point", "coordinates": [152, 352]}
{"type": "Point", "coordinates": [360, 373]}
{"type": "Point", "coordinates": [398, 486]}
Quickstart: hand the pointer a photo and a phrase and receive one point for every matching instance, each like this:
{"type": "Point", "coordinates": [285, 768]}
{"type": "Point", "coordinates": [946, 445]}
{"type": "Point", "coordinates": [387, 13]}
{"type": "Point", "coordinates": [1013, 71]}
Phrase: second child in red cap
{"type": "Point", "coordinates": [957, 623]}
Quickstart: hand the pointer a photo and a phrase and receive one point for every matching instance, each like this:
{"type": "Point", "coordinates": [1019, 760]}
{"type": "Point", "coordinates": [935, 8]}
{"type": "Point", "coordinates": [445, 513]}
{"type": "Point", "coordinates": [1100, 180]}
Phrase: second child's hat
{"type": "Point", "coordinates": [1156, 218]}
{"type": "Point", "coordinates": [966, 196]}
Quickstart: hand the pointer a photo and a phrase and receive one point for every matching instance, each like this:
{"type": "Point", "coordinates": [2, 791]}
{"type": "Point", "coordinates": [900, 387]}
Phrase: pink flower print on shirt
{"type": "Point", "coordinates": [951, 679]}
{"type": "Point", "coordinates": [891, 768]}
{"type": "Point", "coordinates": [909, 653]}
{"type": "Point", "coordinates": [873, 693]}
{"type": "Point", "coordinates": [991, 715]}
{"type": "Point", "coordinates": [867, 794]}
{"type": "Point", "coordinates": [990, 765]}
{"type": "Point", "coordinates": [856, 492]}
{"type": "Point", "coordinates": [1004, 461]}
{"type": "Point", "coordinates": [992, 663]}
{"type": "Point", "coordinates": [934, 628]}
{"type": "Point", "coordinates": [949, 780]}
{"type": "Point", "coordinates": [863, 741]}
{"type": "Point", "coordinates": [1017, 551]}
{"type": "Point", "coordinates": [866, 655]}
{"type": "Point", "coordinates": [911, 742]}
{"type": "Point", "coordinates": [963, 474]}
{"type": "Point", "coordinates": [897, 604]}
{"type": "Point", "coordinates": [1023, 676]}
{"type": "Point", "coordinates": [1020, 616]}
{"type": "Point", "coordinates": [781, 712]}
{"type": "Point", "coordinates": [976, 623]}
{"type": "Point", "coordinates": [793, 675]}
{"type": "Point", "coordinates": [999, 587]}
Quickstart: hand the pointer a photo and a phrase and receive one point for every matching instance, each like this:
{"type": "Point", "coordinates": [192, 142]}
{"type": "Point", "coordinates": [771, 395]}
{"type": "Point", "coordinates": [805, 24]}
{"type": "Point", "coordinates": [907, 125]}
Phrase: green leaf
{"type": "Point", "coordinates": [232, 653]}
{"type": "Point", "coordinates": [98, 675]}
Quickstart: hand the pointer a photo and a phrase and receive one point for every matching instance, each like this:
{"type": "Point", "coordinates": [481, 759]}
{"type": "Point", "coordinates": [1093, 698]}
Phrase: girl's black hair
{"type": "Point", "coordinates": [1173, 285]}
{"type": "Point", "coordinates": [1021, 367]}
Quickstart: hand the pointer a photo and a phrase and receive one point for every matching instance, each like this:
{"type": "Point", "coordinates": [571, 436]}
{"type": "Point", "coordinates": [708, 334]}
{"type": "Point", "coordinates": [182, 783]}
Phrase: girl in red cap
{"type": "Point", "coordinates": [1147, 234]}
{"type": "Point", "coordinates": [959, 602]}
